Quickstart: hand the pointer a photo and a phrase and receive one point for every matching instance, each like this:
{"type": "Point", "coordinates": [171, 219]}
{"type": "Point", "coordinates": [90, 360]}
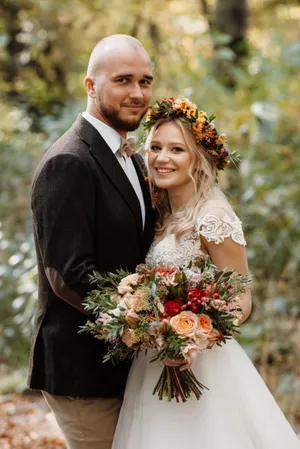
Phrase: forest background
{"type": "Point", "coordinates": [238, 59]}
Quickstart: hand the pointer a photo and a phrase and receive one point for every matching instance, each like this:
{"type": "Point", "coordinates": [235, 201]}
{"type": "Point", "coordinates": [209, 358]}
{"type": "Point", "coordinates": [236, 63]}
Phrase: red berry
{"type": "Point", "coordinates": [216, 296]}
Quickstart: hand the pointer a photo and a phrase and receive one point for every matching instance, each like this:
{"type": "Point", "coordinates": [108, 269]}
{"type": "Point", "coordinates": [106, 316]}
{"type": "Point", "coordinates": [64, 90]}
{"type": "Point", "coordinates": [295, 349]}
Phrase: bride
{"type": "Point", "coordinates": [184, 153]}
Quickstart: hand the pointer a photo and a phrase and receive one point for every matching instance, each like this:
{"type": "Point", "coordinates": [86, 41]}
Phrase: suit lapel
{"type": "Point", "coordinates": [108, 162]}
{"type": "Point", "coordinates": [141, 170]}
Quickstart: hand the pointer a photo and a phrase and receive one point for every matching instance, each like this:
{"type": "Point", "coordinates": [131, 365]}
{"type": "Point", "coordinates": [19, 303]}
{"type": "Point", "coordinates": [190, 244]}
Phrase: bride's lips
{"type": "Point", "coordinates": [164, 171]}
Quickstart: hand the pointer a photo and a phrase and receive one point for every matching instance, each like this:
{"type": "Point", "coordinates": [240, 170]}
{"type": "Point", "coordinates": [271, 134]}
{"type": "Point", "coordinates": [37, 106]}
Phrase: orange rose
{"type": "Point", "coordinates": [184, 324]}
{"type": "Point", "coordinates": [204, 325]}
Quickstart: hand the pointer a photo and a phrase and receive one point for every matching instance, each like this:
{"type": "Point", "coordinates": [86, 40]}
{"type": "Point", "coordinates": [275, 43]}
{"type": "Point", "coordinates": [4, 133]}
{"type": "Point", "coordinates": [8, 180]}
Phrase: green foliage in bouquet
{"type": "Point", "coordinates": [175, 313]}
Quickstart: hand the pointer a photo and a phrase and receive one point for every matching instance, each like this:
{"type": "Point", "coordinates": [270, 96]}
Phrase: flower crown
{"type": "Point", "coordinates": [202, 126]}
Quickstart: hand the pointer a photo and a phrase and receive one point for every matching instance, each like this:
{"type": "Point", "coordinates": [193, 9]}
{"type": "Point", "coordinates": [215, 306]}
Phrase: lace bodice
{"type": "Point", "coordinates": [168, 252]}
{"type": "Point", "coordinates": [214, 226]}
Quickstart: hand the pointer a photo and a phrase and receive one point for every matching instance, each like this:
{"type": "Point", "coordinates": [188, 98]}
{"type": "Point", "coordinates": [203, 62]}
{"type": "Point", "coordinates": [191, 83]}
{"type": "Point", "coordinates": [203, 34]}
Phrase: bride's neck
{"type": "Point", "coordinates": [179, 197]}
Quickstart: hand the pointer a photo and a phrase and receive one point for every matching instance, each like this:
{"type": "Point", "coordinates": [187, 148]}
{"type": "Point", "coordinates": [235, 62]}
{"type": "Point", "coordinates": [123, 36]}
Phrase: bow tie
{"type": "Point", "coordinates": [127, 146]}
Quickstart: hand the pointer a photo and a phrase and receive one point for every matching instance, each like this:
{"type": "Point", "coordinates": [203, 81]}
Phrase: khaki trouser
{"type": "Point", "coordinates": [87, 423]}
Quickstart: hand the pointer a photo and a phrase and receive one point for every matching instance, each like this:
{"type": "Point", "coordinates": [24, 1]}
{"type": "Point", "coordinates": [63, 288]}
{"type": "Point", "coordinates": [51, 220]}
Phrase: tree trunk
{"type": "Point", "coordinates": [231, 20]}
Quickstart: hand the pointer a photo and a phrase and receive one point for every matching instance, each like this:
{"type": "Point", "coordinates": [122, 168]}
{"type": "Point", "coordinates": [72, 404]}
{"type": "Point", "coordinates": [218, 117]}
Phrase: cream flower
{"type": "Point", "coordinates": [137, 301]}
{"type": "Point", "coordinates": [190, 352]}
{"type": "Point", "coordinates": [104, 318]}
{"type": "Point", "coordinates": [202, 343]}
{"type": "Point", "coordinates": [126, 283]}
{"type": "Point", "coordinates": [160, 341]}
{"type": "Point", "coordinates": [184, 324]}
{"type": "Point", "coordinates": [116, 312]}
{"type": "Point", "coordinates": [159, 304]}
{"type": "Point", "coordinates": [123, 303]}
{"type": "Point", "coordinates": [122, 289]}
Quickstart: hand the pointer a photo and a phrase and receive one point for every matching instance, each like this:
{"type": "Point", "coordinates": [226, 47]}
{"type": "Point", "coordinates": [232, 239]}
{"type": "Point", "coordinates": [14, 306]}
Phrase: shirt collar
{"type": "Point", "coordinates": [110, 135]}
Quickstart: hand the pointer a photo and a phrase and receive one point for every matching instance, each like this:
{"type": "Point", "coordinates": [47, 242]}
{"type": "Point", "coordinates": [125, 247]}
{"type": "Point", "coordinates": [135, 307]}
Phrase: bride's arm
{"type": "Point", "coordinates": [230, 254]}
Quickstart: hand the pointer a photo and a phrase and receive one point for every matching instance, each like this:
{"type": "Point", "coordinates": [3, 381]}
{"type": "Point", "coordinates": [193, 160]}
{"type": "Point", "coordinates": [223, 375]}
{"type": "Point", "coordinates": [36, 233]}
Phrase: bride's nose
{"type": "Point", "coordinates": [163, 156]}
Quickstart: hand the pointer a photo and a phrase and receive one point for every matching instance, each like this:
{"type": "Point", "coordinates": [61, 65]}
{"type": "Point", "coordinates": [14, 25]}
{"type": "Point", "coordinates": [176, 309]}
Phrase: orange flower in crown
{"type": "Point", "coordinates": [202, 126]}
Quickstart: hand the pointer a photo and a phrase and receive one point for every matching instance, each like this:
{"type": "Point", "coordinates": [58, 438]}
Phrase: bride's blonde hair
{"type": "Point", "coordinates": [203, 172]}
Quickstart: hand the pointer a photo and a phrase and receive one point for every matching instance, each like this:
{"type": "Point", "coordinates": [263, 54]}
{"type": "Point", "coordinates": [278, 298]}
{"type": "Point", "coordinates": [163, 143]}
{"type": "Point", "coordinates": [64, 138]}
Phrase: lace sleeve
{"type": "Point", "coordinates": [216, 227]}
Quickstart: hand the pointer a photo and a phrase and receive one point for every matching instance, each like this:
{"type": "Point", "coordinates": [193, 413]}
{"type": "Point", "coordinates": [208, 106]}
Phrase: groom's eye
{"type": "Point", "coordinates": [122, 80]}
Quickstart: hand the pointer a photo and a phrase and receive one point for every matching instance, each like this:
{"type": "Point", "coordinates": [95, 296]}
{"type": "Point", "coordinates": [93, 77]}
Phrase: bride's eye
{"type": "Point", "coordinates": [177, 150]}
{"type": "Point", "coordinates": [154, 148]}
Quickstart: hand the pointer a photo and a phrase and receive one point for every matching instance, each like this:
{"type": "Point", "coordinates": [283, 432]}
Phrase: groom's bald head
{"type": "Point", "coordinates": [113, 47]}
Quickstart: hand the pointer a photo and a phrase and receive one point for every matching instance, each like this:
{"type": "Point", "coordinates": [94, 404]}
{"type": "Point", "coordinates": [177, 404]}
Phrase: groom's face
{"type": "Point", "coordinates": [123, 89]}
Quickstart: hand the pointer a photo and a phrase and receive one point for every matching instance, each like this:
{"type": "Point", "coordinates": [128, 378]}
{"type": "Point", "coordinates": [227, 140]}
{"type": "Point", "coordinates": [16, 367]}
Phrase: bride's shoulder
{"type": "Point", "coordinates": [218, 221]}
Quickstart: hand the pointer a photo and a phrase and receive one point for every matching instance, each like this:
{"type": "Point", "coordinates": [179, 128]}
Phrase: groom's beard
{"type": "Point", "coordinates": [113, 117]}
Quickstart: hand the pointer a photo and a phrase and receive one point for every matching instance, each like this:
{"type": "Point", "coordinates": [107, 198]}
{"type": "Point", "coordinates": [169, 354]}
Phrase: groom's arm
{"type": "Point", "coordinates": [63, 206]}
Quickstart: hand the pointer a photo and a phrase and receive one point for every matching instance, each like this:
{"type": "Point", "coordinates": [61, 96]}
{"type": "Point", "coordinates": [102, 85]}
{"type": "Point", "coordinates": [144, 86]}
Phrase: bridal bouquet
{"type": "Point", "coordinates": [176, 312]}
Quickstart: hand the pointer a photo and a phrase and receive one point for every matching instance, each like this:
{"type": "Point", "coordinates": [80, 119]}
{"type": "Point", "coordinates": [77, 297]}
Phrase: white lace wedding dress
{"type": "Point", "coordinates": [238, 411]}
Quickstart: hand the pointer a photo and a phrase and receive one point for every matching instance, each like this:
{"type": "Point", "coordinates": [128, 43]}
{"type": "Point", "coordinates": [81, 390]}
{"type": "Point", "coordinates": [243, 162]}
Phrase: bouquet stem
{"type": "Point", "coordinates": [173, 383]}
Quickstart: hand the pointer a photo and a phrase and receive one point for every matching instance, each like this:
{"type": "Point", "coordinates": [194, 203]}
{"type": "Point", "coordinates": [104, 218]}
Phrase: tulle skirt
{"type": "Point", "coordinates": [238, 411]}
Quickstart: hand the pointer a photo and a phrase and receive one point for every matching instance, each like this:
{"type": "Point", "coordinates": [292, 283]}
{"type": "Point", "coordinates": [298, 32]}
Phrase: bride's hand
{"type": "Point", "coordinates": [177, 363]}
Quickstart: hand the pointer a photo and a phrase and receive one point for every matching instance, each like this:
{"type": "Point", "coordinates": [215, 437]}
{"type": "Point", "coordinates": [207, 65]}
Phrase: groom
{"type": "Point", "coordinates": [91, 211]}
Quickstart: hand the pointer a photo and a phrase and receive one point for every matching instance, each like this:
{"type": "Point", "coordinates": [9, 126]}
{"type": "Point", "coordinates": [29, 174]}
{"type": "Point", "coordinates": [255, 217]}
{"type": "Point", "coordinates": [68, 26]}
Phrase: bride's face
{"type": "Point", "coordinates": [169, 159]}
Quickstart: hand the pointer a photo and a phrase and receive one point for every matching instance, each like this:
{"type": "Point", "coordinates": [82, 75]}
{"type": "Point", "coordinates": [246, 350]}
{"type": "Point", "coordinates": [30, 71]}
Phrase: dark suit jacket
{"type": "Point", "coordinates": [86, 217]}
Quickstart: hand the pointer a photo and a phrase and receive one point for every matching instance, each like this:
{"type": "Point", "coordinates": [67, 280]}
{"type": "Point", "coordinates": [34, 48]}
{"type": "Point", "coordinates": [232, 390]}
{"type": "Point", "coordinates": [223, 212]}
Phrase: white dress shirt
{"type": "Point", "coordinates": [113, 140]}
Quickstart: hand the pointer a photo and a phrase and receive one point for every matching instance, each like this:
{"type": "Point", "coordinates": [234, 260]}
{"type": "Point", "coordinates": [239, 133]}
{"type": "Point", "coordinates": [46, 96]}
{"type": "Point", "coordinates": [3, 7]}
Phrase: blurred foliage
{"type": "Point", "coordinates": [44, 50]}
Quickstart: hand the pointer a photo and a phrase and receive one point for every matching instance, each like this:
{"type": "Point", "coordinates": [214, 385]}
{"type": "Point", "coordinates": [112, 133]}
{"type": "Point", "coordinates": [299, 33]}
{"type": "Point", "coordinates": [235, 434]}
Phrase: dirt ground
{"type": "Point", "coordinates": [27, 423]}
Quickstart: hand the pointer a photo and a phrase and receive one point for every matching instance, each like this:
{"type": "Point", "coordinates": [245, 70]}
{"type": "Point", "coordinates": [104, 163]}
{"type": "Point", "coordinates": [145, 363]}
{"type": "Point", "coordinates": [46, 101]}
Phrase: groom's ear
{"type": "Point", "coordinates": [89, 84]}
